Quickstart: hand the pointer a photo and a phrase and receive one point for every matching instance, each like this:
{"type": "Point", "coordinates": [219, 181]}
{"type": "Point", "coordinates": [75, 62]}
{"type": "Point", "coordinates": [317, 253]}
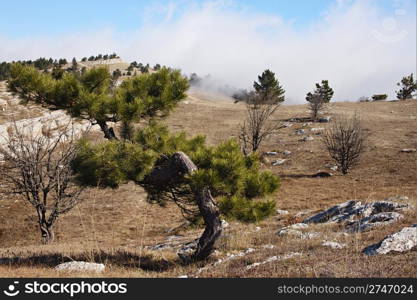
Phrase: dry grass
{"type": "Point", "coordinates": [113, 226]}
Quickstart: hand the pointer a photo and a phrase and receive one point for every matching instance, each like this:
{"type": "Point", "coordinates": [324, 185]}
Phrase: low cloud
{"type": "Point", "coordinates": [359, 48]}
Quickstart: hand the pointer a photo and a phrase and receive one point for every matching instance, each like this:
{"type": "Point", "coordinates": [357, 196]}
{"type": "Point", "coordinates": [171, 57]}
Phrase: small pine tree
{"type": "Point", "coordinates": [319, 98]}
{"type": "Point", "coordinates": [268, 88]}
{"type": "Point", "coordinates": [408, 88]}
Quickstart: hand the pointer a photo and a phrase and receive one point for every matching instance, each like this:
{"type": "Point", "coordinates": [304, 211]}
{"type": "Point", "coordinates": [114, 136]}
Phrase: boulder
{"type": "Point", "coordinates": [282, 212]}
{"type": "Point", "coordinates": [80, 266]}
{"type": "Point", "coordinates": [402, 241]}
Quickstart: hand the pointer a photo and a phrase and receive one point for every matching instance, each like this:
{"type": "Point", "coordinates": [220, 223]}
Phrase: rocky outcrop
{"type": "Point", "coordinates": [402, 241]}
{"type": "Point", "coordinates": [372, 221]}
{"type": "Point", "coordinates": [360, 217]}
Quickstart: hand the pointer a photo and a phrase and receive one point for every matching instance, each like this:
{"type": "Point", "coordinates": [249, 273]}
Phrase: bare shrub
{"type": "Point", "coordinates": [345, 141]}
{"type": "Point", "coordinates": [38, 167]}
{"type": "Point", "coordinates": [257, 125]}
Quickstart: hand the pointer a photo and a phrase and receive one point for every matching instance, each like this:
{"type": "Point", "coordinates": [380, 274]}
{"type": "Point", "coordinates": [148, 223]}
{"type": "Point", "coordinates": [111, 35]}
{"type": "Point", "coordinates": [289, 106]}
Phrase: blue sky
{"type": "Point", "coordinates": [362, 47]}
{"type": "Point", "coordinates": [40, 17]}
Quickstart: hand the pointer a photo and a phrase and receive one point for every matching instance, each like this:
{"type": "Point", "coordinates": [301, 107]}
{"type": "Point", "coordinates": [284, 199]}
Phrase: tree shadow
{"type": "Point", "coordinates": [315, 175]}
{"type": "Point", "coordinates": [123, 259]}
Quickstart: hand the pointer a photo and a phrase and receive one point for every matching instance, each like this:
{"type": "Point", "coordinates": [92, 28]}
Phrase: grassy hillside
{"type": "Point", "coordinates": [114, 226]}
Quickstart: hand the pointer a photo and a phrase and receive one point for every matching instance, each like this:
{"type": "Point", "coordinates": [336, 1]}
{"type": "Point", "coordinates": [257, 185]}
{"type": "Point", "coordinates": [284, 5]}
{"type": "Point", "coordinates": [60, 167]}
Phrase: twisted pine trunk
{"type": "Point", "coordinates": [108, 131]}
{"type": "Point", "coordinates": [173, 170]}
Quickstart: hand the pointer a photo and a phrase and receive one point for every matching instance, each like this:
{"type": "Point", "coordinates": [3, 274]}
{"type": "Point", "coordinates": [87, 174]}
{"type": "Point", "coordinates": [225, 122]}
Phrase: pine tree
{"type": "Point", "coordinates": [408, 88]}
{"type": "Point", "coordinates": [171, 167]}
{"type": "Point", "coordinates": [319, 98]}
{"type": "Point", "coordinates": [90, 96]}
{"type": "Point", "coordinates": [268, 88]}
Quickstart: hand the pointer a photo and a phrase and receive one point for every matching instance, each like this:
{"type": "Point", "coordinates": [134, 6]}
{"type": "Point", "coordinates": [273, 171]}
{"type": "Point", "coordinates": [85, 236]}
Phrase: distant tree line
{"type": "Point", "coordinates": [42, 64]}
{"type": "Point", "coordinates": [100, 57]}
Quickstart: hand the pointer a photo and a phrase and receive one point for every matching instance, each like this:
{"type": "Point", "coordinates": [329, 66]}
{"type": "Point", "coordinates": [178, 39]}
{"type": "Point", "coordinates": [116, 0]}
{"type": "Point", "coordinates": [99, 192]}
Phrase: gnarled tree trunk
{"type": "Point", "coordinates": [46, 228]}
{"type": "Point", "coordinates": [173, 170]}
{"type": "Point", "coordinates": [108, 131]}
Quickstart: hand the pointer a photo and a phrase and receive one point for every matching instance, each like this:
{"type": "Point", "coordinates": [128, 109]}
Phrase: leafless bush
{"type": "Point", "coordinates": [38, 167]}
{"type": "Point", "coordinates": [345, 142]}
{"type": "Point", "coordinates": [257, 125]}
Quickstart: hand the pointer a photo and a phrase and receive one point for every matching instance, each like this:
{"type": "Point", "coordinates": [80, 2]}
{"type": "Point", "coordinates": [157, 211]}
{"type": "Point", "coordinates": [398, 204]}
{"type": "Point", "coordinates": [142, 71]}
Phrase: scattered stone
{"type": "Point", "coordinates": [278, 162]}
{"type": "Point", "coordinates": [80, 266]}
{"type": "Point", "coordinates": [333, 245]}
{"type": "Point", "coordinates": [325, 119]}
{"type": "Point", "coordinates": [402, 241]}
{"type": "Point", "coordinates": [287, 124]}
{"type": "Point", "coordinates": [322, 174]}
{"type": "Point", "coordinates": [282, 212]}
{"type": "Point", "coordinates": [269, 246]}
{"type": "Point", "coordinates": [257, 228]}
{"type": "Point", "coordinates": [298, 226]}
{"type": "Point", "coordinates": [224, 224]}
{"type": "Point", "coordinates": [293, 231]}
{"type": "Point", "coordinates": [307, 139]}
{"type": "Point", "coordinates": [183, 276]}
{"type": "Point", "coordinates": [286, 152]}
{"type": "Point", "coordinates": [271, 153]}
{"type": "Point", "coordinates": [300, 131]}
{"type": "Point", "coordinates": [408, 150]}
{"type": "Point", "coordinates": [334, 168]}
{"type": "Point", "coordinates": [307, 124]}
{"type": "Point", "coordinates": [318, 130]}
{"type": "Point", "coordinates": [272, 259]}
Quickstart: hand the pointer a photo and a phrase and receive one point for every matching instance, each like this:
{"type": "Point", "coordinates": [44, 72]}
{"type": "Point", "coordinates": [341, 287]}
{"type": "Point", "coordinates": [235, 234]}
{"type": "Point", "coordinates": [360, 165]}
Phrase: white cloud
{"type": "Point", "coordinates": [359, 49]}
